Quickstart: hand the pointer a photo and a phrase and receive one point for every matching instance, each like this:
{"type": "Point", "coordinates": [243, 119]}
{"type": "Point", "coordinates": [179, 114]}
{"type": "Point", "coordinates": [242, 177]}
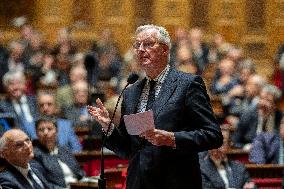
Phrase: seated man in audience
{"type": "Point", "coordinates": [66, 135]}
{"type": "Point", "coordinates": [78, 112]}
{"type": "Point", "coordinates": [59, 165]}
{"type": "Point", "coordinates": [17, 102]}
{"type": "Point", "coordinates": [19, 173]}
{"type": "Point", "coordinates": [218, 172]}
{"type": "Point", "coordinates": [236, 103]}
{"type": "Point", "coordinates": [264, 117]}
{"type": "Point", "coordinates": [267, 148]}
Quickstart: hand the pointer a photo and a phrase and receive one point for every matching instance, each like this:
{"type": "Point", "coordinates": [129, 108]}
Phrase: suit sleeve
{"type": "Point", "coordinates": [203, 132]}
{"type": "Point", "coordinates": [74, 143]}
{"type": "Point", "coordinates": [119, 141]}
{"type": "Point", "coordinates": [257, 153]}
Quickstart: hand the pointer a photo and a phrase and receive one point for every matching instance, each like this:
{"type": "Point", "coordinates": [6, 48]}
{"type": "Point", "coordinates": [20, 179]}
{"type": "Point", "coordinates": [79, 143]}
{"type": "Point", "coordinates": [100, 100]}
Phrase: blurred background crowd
{"type": "Point", "coordinates": [38, 79]}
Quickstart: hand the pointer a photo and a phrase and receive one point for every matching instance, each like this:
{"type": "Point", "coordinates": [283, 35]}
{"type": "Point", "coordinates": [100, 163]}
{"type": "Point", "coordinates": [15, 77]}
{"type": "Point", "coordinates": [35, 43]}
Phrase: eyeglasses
{"type": "Point", "coordinates": [145, 44]}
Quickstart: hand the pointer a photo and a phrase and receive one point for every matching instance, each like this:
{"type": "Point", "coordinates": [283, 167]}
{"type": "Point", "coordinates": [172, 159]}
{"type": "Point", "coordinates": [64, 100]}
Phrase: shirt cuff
{"type": "Point", "coordinates": [110, 130]}
{"type": "Point", "coordinates": [173, 141]}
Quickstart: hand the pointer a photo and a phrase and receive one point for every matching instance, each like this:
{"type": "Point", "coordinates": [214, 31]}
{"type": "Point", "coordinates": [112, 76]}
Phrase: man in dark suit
{"type": "Point", "coordinates": [58, 163]}
{"type": "Point", "coordinates": [218, 172]}
{"type": "Point", "coordinates": [184, 120]}
{"type": "Point", "coordinates": [17, 150]}
{"type": "Point", "coordinates": [267, 148]}
{"type": "Point", "coordinates": [264, 117]}
{"type": "Point", "coordinates": [17, 102]}
{"type": "Point", "coordinates": [65, 134]}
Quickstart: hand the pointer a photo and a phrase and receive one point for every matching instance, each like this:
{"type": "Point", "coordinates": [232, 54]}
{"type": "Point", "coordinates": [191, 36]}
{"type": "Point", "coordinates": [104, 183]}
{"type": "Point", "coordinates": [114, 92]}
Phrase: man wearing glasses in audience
{"type": "Point", "coordinates": [19, 173]}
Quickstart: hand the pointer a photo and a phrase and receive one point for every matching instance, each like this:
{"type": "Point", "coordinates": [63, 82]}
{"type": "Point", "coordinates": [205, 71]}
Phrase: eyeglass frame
{"type": "Point", "coordinates": [139, 43]}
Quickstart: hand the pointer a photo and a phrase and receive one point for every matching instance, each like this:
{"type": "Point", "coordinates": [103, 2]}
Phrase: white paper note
{"type": "Point", "coordinates": [139, 123]}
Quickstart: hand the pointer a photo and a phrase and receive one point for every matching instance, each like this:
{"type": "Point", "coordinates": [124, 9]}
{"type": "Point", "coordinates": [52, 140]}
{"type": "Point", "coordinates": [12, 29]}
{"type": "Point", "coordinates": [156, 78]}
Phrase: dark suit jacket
{"type": "Point", "coordinates": [182, 107]}
{"type": "Point", "coordinates": [11, 178]}
{"type": "Point", "coordinates": [50, 166]}
{"type": "Point", "coordinates": [265, 149]}
{"type": "Point", "coordinates": [246, 129]}
{"type": "Point", "coordinates": [7, 106]}
{"type": "Point", "coordinates": [211, 179]}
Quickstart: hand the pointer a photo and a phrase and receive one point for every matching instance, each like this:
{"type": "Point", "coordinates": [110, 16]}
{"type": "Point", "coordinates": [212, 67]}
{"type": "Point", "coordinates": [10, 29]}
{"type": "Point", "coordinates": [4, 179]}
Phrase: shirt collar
{"type": "Point", "coordinates": [161, 77]}
{"type": "Point", "coordinates": [54, 152]}
{"type": "Point", "coordinates": [23, 171]}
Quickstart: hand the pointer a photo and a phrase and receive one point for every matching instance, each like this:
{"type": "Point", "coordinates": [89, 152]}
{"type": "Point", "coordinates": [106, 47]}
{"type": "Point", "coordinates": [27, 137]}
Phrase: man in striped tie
{"type": "Point", "coordinates": [19, 173]}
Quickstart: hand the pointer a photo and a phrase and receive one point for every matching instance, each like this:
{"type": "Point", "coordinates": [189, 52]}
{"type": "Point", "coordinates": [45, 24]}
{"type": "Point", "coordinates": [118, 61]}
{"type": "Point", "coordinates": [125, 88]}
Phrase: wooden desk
{"type": "Point", "coordinates": [114, 180]}
{"type": "Point", "coordinates": [84, 185]}
{"type": "Point", "coordinates": [238, 154]}
{"type": "Point", "coordinates": [90, 161]}
{"type": "Point", "coordinates": [265, 170]}
{"type": "Point", "coordinates": [85, 156]}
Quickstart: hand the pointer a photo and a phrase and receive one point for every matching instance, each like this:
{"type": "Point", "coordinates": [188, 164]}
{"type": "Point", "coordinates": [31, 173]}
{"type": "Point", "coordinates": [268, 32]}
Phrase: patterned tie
{"type": "Point", "coordinates": [151, 96]}
{"type": "Point", "coordinates": [36, 185]}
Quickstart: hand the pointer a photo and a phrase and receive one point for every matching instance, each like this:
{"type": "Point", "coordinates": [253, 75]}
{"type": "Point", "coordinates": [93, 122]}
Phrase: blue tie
{"type": "Point", "coordinates": [36, 185]}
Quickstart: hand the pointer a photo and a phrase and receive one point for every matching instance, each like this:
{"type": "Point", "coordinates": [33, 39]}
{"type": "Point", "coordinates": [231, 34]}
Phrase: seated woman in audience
{"type": "Point", "coordinates": [267, 147]}
{"type": "Point", "coordinates": [57, 163]}
{"type": "Point", "coordinates": [219, 172]}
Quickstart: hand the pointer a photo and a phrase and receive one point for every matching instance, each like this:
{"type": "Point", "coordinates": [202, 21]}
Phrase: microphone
{"type": "Point", "coordinates": [132, 78]}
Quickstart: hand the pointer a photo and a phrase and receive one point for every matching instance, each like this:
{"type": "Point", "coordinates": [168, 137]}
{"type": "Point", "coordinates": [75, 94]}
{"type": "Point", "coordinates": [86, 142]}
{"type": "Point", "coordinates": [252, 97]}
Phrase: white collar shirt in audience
{"type": "Point", "coordinates": [24, 172]}
{"type": "Point", "coordinates": [69, 176]}
{"type": "Point", "coordinates": [22, 105]}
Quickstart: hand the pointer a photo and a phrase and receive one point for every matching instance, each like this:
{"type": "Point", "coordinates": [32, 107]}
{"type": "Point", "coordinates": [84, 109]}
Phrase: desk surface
{"type": "Point", "coordinates": [83, 185]}
{"type": "Point", "coordinates": [265, 170]}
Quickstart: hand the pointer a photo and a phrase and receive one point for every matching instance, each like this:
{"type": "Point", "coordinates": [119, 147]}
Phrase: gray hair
{"type": "Point", "coordinates": [259, 81]}
{"type": "Point", "coordinates": [163, 35]}
{"type": "Point", "coordinates": [272, 89]}
{"type": "Point", "coordinates": [248, 64]}
{"type": "Point", "coordinates": [13, 75]}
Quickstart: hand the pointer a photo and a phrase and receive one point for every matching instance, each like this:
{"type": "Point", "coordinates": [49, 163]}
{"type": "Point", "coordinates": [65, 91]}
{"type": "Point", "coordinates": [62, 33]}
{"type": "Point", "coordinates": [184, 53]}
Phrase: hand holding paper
{"type": "Point", "coordinates": [139, 123]}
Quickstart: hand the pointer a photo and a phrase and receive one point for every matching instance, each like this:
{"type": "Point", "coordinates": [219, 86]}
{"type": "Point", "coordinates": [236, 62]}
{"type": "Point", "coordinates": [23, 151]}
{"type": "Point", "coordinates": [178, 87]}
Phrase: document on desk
{"type": "Point", "coordinates": [138, 123]}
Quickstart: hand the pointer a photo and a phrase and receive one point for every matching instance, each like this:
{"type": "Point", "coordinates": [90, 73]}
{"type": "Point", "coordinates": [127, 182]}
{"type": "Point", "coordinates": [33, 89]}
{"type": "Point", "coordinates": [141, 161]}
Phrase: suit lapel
{"type": "Point", "coordinates": [168, 88]}
{"type": "Point", "coordinates": [19, 177]}
{"type": "Point", "coordinates": [212, 173]}
{"type": "Point", "coordinates": [133, 96]}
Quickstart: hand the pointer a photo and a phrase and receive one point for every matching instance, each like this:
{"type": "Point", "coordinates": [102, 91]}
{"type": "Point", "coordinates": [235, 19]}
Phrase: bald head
{"type": "Point", "coordinates": [16, 148]}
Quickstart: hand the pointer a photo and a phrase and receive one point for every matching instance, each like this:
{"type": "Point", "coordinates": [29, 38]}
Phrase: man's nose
{"type": "Point", "coordinates": [141, 47]}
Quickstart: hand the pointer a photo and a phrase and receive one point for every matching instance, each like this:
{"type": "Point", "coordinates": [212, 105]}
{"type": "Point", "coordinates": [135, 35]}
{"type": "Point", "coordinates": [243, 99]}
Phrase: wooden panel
{"type": "Point", "coordinates": [82, 14]}
{"type": "Point", "coordinates": [118, 16]}
{"type": "Point", "coordinates": [275, 24]}
{"type": "Point", "coordinates": [53, 15]}
{"type": "Point", "coordinates": [255, 21]}
{"type": "Point", "coordinates": [199, 16]}
{"type": "Point", "coordinates": [11, 9]}
{"type": "Point", "coordinates": [143, 12]}
{"type": "Point", "coordinates": [172, 14]}
{"type": "Point", "coordinates": [226, 17]}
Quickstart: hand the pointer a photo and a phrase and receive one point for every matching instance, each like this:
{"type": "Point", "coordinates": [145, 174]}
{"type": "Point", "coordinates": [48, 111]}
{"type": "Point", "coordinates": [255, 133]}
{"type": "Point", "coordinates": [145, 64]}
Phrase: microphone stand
{"type": "Point", "coordinates": [102, 180]}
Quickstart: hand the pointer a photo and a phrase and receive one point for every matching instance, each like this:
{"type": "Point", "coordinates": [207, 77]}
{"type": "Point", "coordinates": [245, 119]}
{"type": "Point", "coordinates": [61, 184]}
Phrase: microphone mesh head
{"type": "Point", "coordinates": [132, 78]}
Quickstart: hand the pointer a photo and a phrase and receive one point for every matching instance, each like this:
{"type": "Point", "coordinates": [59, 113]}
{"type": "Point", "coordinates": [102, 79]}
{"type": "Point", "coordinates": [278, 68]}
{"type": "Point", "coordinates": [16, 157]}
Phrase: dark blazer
{"type": "Point", "coordinates": [246, 129]}
{"type": "Point", "coordinates": [50, 166]}
{"type": "Point", "coordinates": [182, 107]}
{"type": "Point", "coordinates": [7, 106]}
{"type": "Point", "coordinates": [211, 179]}
{"type": "Point", "coordinates": [11, 178]}
{"type": "Point", "coordinates": [265, 149]}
